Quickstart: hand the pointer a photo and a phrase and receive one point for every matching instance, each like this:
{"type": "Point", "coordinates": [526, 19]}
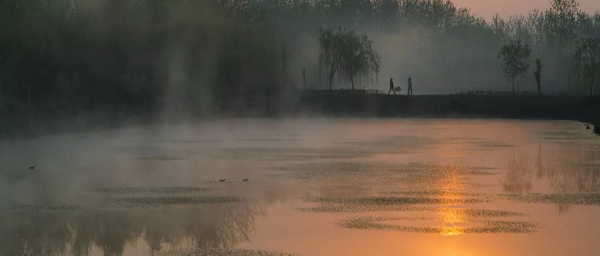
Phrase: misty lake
{"type": "Point", "coordinates": [314, 187]}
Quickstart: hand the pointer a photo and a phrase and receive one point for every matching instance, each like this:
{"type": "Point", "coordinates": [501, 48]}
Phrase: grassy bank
{"type": "Point", "coordinates": [21, 122]}
{"type": "Point", "coordinates": [482, 106]}
{"type": "Point", "coordinates": [580, 108]}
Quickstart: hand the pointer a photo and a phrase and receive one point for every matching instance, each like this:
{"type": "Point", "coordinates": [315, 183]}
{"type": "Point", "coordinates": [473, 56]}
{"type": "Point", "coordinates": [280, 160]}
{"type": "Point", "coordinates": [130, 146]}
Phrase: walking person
{"type": "Point", "coordinates": [410, 92]}
{"type": "Point", "coordinates": [392, 87]}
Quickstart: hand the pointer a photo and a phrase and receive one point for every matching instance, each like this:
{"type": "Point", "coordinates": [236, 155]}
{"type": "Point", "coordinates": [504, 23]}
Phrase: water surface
{"type": "Point", "coordinates": [314, 187]}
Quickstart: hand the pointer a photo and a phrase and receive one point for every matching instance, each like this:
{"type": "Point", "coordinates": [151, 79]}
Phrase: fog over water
{"type": "Point", "coordinates": [315, 187]}
{"type": "Point", "coordinates": [121, 129]}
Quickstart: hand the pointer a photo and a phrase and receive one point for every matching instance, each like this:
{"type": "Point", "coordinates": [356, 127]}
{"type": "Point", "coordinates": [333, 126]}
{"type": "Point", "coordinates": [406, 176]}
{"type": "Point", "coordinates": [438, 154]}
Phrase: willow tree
{"type": "Point", "coordinates": [358, 58]}
{"type": "Point", "coordinates": [330, 52]}
{"type": "Point", "coordinates": [347, 54]}
{"type": "Point", "coordinates": [515, 60]}
{"type": "Point", "coordinates": [587, 58]}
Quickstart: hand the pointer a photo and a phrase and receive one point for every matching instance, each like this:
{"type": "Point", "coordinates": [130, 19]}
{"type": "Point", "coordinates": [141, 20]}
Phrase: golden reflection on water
{"type": "Point", "coordinates": [450, 217]}
{"type": "Point", "coordinates": [451, 180]}
{"type": "Point", "coordinates": [451, 222]}
{"type": "Point", "coordinates": [548, 166]}
{"type": "Point", "coordinates": [452, 231]}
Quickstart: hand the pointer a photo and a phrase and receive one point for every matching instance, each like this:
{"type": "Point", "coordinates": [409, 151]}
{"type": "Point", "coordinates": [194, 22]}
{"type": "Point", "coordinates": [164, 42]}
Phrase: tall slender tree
{"type": "Point", "coordinates": [538, 75]}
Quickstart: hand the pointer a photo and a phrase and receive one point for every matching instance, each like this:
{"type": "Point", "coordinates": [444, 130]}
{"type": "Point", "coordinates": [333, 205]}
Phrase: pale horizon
{"type": "Point", "coordinates": [505, 8]}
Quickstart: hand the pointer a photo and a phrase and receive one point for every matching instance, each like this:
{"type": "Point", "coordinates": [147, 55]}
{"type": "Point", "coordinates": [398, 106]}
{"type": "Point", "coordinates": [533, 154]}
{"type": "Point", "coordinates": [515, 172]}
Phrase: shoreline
{"type": "Point", "coordinates": [324, 104]}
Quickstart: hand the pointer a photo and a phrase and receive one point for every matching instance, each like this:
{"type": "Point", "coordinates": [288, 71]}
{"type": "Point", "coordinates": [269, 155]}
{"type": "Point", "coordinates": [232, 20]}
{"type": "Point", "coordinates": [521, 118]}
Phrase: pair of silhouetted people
{"type": "Point", "coordinates": [393, 89]}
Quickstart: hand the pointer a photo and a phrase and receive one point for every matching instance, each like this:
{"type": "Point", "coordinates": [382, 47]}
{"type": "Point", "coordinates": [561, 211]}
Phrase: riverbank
{"type": "Point", "coordinates": [580, 108]}
{"type": "Point", "coordinates": [469, 106]}
{"type": "Point", "coordinates": [320, 104]}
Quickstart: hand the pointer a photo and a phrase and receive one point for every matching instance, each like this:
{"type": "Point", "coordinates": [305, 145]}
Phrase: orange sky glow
{"type": "Point", "coordinates": [488, 8]}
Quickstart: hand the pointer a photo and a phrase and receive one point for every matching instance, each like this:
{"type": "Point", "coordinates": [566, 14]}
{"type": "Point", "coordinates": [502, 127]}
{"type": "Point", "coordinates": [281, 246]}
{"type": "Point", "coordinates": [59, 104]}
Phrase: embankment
{"type": "Point", "coordinates": [312, 103]}
{"type": "Point", "coordinates": [580, 108]}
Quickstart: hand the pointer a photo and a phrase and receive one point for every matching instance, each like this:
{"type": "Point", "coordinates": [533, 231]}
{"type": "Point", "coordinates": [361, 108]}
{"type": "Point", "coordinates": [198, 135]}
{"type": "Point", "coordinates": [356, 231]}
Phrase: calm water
{"type": "Point", "coordinates": [315, 187]}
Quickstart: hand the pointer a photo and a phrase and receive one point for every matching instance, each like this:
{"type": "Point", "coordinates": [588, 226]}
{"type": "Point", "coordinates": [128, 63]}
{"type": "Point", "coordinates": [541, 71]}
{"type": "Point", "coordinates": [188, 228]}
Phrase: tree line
{"type": "Point", "coordinates": [59, 55]}
{"type": "Point", "coordinates": [448, 47]}
{"type": "Point", "coordinates": [114, 54]}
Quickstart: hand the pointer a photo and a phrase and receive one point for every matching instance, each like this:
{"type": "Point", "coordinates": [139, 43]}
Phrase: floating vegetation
{"type": "Point", "coordinates": [344, 166]}
{"type": "Point", "coordinates": [431, 193]}
{"type": "Point", "coordinates": [155, 153]}
{"type": "Point", "coordinates": [270, 139]}
{"type": "Point", "coordinates": [138, 149]}
{"type": "Point", "coordinates": [125, 203]}
{"type": "Point", "coordinates": [74, 208]}
{"type": "Point", "coordinates": [563, 199]}
{"type": "Point", "coordinates": [592, 164]}
{"type": "Point", "coordinates": [490, 145]}
{"type": "Point", "coordinates": [290, 154]}
{"type": "Point", "coordinates": [354, 208]}
{"type": "Point", "coordinates": [193, 141]}
{"type": "Point", "coordinates": [178, 200]}
{"type": "Point", "coordinates": [473, 144]}
{"type": "Point", "coordinates": [222, 252]}
{"type": "Point", "coordinates": [398, 144]}
{"type": "Point", "coordinates": [508, 194]}
{"type": "Point", "coordinates": [478, 213]}
{"type": "Point", "coordinates": [487, 226]}
{"type": "Point", "coordinates": [150, 190]}
{"type": "Point", "coordinates": [370, 167]}
{"type": "Point", "coordinates": [161, 158]}
{"type": "Point", "coordinates": [563, 135]}
{"type": "Point", "coordinates": [380, 201]}
{"type": "Point", "coordinates": [342, 187]}
{"type": "Point", "coordinates": [382, 173]}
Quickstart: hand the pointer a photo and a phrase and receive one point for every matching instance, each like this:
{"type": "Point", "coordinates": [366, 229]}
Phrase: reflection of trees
{"type": "Point", "coordinates": [206, 226]}
{"type": "Point", "coordinates": [564, 174]}
{"type": "Point", "coordinates": [517, 178]}
{"type": "Point", "coordinates": [557, 163]}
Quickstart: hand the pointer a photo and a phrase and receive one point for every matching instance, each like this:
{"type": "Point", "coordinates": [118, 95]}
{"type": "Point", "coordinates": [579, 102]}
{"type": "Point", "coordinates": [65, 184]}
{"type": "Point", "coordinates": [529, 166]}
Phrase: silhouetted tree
{"type": "Point", "coordinates": [515, 60]}
{"type": "Point", "coordinates": [587, 58]}
{"type": "Point", "coordinates": [347, 54]}
{"type": "Point", "coordinates": [65, 56]}
{"type": "Point", "coordinates": [359, 58]}
{"type": "Point", "coordinates": [330, 51]}
{"type": "Point", "coordinates": [538, 75]}
{"type": "Point", "coordinates": [563, 18]}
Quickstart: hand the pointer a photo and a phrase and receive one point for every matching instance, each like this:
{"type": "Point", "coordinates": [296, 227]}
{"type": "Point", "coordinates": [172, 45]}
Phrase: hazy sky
{"type": "Point", "coordinates": [488, 8]}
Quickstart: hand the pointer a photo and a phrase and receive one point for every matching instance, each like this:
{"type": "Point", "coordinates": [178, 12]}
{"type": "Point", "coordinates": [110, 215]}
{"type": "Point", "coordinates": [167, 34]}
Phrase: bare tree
{"type": "Point", "coordinates": [587, 58]}
{"type": "Point", "coordinates": [515, 61]}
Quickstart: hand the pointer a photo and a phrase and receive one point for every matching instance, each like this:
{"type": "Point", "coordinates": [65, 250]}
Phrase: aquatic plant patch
{"type": "Point", "coordinates": [223, 252]}
{"type": "Point", "coordinates": [484, 226]}
{"type": "Point", "coordinates": [563, 199]}
{"type": "Point", "coordinates": [150, 190]}
{"type": "Point", "coordinates": [177, 200]}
